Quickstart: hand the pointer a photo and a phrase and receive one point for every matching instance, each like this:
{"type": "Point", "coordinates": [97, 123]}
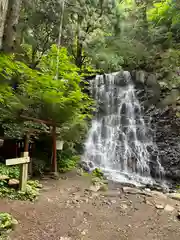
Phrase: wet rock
{"type": "Point", "coordinates": [80, 171]}
{"type": "Point", "coordinates": [137, 191]}
{"type": "Point", "coordinates": [86, 166]}
{"type": "Point", "coordinates": [130, 190]}
{"type": "Point", "coordinates": [167, 138]}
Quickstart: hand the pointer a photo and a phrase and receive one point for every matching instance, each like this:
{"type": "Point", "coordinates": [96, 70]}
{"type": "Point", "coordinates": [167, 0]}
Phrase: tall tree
{"type": "Point", "coordinates": [12, 18]}
{"type": "Point", "coordinates": [3, 12]}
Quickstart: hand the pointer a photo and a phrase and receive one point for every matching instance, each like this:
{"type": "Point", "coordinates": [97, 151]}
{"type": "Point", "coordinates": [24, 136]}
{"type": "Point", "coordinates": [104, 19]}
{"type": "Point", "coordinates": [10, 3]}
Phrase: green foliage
{"type": "Point", "coordinates": [67, 161]}
{"type": "Point", "coordinates": [10, 171]}
{"type": "Point", "coordinates": [40, 95]}
{"type": "Point", "coordinates": [31, 193]}
{"type": "Point", "coordinates": [97, 173]}
{"type": "Point", "coordinates": [7, 223]}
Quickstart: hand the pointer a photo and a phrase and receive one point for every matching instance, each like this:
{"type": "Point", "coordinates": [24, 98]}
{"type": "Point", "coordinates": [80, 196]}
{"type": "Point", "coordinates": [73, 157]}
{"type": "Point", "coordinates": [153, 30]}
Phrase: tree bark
{"type": "Point", "coordinates": [3, 13]}
{"type": "Point", "coordinates": [12, 18]}
{"type": "Point", "coordinates": [79, 49]}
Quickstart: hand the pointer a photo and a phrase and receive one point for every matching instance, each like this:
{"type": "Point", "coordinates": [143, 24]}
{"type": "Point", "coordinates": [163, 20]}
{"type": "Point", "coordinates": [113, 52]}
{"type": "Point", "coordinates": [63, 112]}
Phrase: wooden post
{"type": "Point", "coordinates": [26, 143]}
{"type": "Point", "coordinates": [23, 162]}
{"type": "Point", "coordinates": [54, 160]}
{"type": "Point", "coordinates": [23, 173]}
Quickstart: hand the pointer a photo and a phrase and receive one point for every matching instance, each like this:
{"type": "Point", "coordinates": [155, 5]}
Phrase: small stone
{"type": "Point", "coordinates": [14, 223]}
{"type": "Point", "coordinates": [178, 215]}
{"type": "Point", "coordinates": [88, 214]}
{"type": "Point", "coordinates": [159, 206]}
{"type": "Point", "coordinates": [49, 200]}
{"type": "Point", "coordinates": [123, 206]}
{"type": "Point", "coordinates": [94, 188]}
{"type": "Point", "coordinates": [64, 177]}
{"type": "Point", "coordinates": [169, 208]}
{"type": "Point", "coordinates": [13, 182]}
{"type": "Point", "coordinates": [84, 232]}
{"type": "Point", "coordinates": [147, 189]}
{"type": "Point", "coordinates": [65, 238]}
{"type": "Point", "coordinates": [4, 177]}
{"type": "Point", "coordinates": [113, 201]}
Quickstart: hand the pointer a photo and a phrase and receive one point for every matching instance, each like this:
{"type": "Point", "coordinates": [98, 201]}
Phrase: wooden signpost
{"type": "Point", "coordinates": [23, 162]}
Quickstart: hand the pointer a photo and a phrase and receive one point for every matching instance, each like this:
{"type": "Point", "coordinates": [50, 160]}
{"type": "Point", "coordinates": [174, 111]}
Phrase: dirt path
{"type": "Point", "coordinates": [65, 211]}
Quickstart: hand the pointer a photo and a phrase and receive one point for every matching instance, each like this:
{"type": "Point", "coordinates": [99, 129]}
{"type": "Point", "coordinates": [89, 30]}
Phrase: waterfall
{"type": "Point", "coordinates": [119, 141]}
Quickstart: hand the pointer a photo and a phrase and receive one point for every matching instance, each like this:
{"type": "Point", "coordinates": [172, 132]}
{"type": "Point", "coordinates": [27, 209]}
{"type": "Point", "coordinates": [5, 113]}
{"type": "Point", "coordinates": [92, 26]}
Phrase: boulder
{"type": "Point", "coordinates": [13, 182]}
{"type": "Point", "coordinates": [130, 190]}
{"type": "Point", "coordinates": [175, 196]}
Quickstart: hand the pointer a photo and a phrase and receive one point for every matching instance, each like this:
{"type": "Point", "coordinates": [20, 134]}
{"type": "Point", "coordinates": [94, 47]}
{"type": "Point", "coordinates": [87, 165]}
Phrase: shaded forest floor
{"type": "Point", "coordinates": [65, 210]}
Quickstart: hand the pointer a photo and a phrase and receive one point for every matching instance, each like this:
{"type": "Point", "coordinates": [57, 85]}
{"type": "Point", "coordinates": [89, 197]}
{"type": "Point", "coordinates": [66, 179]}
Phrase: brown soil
{"type": "Point", "coordinates": [65, 211]}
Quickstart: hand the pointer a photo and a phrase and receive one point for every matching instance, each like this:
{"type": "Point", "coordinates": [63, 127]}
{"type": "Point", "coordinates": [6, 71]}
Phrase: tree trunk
{"type": "Point", "coordinates": [3, 12]}
{"type": "Point", "coordinates": [79, 49]}
{"type": "Point", "coordinates": [12, 19]}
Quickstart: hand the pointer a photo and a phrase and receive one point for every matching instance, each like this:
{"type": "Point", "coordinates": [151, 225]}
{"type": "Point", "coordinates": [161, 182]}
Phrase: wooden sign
{"type": "Point", "coordinates": [16, 161]}
{"type": "Point", "coordinates": [23, 162]}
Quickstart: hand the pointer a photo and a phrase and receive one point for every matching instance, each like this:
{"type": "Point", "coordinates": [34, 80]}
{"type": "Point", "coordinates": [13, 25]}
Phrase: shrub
{"type": "Point", "coordinates": [7, 223]}
{"type": "Point", "coordinates": [67, 162]}
{"type": "Point", "coordinates": [31, 193]}
{"type": "Point", "coordinates": [10, 171]}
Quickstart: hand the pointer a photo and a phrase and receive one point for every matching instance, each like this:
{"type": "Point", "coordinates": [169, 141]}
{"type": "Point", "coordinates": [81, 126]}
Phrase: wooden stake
{"type": "Point", "coordinates": [24, 173]}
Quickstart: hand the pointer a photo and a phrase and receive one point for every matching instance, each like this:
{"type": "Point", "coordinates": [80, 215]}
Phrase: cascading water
{"type": "Point", "coordinates": [119, 141]}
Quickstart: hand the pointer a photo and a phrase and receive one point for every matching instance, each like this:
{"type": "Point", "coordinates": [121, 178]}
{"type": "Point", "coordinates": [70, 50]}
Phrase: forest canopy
{"type": "Point", "coordinates": [48, 48]}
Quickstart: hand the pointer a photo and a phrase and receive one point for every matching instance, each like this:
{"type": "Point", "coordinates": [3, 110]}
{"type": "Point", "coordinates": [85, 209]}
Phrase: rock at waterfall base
{"type": "Point", "coordinates": [131, 190]}
{"type": "Point", "coordinates": [175, 196]}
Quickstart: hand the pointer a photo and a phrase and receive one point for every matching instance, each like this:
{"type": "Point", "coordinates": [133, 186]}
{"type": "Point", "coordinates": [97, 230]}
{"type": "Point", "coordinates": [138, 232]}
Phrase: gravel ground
{"type": "Point", "coordinates": [66, 211]}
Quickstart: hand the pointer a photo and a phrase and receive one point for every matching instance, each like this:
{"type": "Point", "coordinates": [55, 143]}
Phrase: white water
{"type": "Point", "coordinates": [118, 140]}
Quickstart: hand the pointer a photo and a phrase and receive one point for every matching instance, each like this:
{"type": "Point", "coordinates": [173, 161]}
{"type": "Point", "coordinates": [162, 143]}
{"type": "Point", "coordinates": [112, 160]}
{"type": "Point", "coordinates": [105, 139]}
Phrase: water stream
{"type": "Point", "coordinates": [119, 141]}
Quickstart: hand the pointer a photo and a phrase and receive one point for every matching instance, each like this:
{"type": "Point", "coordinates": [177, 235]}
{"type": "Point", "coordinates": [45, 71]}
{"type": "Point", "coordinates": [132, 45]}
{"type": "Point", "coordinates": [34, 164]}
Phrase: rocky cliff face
{"type": "Point", "coordinates": [167, 138]}
{"type": "Point", "coordinates": [166, 125]}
